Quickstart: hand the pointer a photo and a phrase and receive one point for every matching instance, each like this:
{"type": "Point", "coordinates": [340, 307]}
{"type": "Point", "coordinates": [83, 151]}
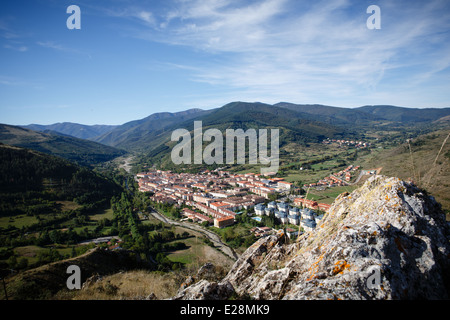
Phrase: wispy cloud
{"type": "Point", "coordinates": [305, 51]}
{"type": "Point", "coordinates": [324, 50]}
{"type": "Point", "coordinates": [52, 45]}
{"type": "Point", "coordinates": [58, 47]}
{"type": "Point", "coordinates": [12, 38]}
{"type": "Point", "coordinates": [20, 48]}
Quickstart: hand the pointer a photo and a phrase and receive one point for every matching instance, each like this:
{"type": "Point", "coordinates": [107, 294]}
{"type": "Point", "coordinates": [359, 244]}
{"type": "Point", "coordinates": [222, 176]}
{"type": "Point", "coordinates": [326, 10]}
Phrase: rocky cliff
{"type": "Point", "coordinates": [385, 240]}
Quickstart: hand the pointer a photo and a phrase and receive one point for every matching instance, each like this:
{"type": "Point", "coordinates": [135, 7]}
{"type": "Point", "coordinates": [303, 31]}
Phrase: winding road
{"type": "Point", "coordinates": [215, 239]}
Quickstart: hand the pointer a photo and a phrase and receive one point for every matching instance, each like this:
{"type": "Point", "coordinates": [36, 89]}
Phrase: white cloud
{"type": "Point", "coordinates": [146, 16]}
{"type": "Point", "coordinates": [288, 49]}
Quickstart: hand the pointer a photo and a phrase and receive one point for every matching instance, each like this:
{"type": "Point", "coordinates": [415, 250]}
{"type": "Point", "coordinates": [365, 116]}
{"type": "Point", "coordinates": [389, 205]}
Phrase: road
{"type": "Point", "coordinates": [215, 239]}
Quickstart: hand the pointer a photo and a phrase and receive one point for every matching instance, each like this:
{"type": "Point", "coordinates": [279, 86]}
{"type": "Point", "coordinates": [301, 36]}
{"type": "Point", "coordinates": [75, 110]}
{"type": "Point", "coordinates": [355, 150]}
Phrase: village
{"type": "Point", "coordinates": [339, 179]}
{"type": "Point", "coordinates": [343, 142]}
{"type": "Point", "coordinates": [216, 197]}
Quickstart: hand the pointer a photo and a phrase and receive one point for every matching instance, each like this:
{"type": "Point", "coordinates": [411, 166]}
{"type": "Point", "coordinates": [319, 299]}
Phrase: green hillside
{"type": "Point", "coordinates": [47, 206]}
{"type": "Point", "coordinates": [147, 133]}
{"type": "Point", "coordinates": [84, 152]}
{"type": "Point", "coordinates": [421, 160]}
{"type": "Point", "coordinates": [31, 181]}
{"type": "Point", "coordinates": [405, 115]}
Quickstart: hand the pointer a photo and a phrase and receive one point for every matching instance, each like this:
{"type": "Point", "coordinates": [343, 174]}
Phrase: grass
{"type": "Point", "coordinates": [328, 195]}
{"type": "Point", "coordinates": [17, 221]}
{"type": "Point", "coordinates": [427, 174]}
{"type": "Point", "coordinates": [28, 252]}
{"type": "Point", "coordinates": [128, 285]}
{"type": "Point", "coordinates": [107, 213]}
{"type": "Point", "coordinates": [190, 255]}
{"type": "Point", "coordinates": [68, 205]}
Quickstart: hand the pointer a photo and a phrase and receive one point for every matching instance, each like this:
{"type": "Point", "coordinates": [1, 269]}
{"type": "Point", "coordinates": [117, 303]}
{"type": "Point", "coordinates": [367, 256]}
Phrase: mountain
{"type": "Point", "coordinates": [73, 129]}
{"type": "Point", "coordinates": [299, 125]}
{"type": "Point", "coordinates": [260, 115]}
{"type": "Point", "coordinates": [405, 115]}
{"type": "Point", "coordinates": [333, 115]}
{"type": "Point", "coordinates": [25, 170]}
{"type": "Point", "coordinates": [307, 122]}
{"type": "Point", "coordinates": [155, 131]}
{"type": "Point", "coordinates": [81, 151]}
{"type": "Point", "coordinates": [145, 134]}
{"type": "Point", "coordinates": [387, 240]}
{"type": "Point", "coordinates": [368, 114]}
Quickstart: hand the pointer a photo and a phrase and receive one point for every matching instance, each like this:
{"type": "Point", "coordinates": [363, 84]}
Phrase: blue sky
{"type": "Point", "coordinates": [134, 58]}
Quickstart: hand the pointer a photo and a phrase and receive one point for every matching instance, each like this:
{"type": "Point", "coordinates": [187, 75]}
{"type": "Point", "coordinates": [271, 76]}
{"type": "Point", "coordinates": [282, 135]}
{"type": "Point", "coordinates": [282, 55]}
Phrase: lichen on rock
{"type": "Point", "coordinates": [386, 240]}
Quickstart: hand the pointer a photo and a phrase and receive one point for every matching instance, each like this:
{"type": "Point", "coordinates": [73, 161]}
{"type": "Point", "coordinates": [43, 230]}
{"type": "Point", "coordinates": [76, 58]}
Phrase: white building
{"type": "Point", "coordinates": [307, 214]}
{"type": "Point", "coordinates": [260, 209]}
{"type": "Point", "coordinates": [318, 218]}
{"type": "Point", "coordinates": [308, 225]}
{"type": "Point", "coordinates": [294, 211]}
{"type": "Point", "coordinates": [282, 216]}
{"type": "Point", "coordinates": [282, 206]}
{"type": "Point", "coordinates": [272, 205]}
{"type": "Point", "coordinates": [293, 219]}
{"type": "Point", "coordinates": [268, 211]}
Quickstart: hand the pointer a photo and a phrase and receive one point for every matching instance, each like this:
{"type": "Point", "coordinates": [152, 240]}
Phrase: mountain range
{"type": "Point", "coordinates": [73, 129]}
{"type": "Point", "coordinates": [147, 133]}
{"type": "Point", "coordinates": [298, 123]}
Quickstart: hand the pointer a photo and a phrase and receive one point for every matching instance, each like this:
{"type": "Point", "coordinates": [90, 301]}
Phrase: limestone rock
{"type": "Point", "coordinates": [205, 290]}
{"type": "Point", "coordinates": [206, 271]}
{"type": "Point", "coordinates": [385, 240]}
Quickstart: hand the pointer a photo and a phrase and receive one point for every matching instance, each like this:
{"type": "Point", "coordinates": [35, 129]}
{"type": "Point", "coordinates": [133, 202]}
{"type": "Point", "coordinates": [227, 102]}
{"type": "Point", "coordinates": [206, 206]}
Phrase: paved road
{"type": "Point", "coordinates": [209, 234]}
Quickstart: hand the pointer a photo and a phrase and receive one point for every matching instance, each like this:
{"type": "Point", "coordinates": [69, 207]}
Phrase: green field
{"type": "Point", "coordinates": [329, 195]}
{"type": "Point", "coordinates": [192, 254]}
{"type": "Point", "coordinates": [17, 221]}
{"type": "Point", "coordinates": [105, 214]}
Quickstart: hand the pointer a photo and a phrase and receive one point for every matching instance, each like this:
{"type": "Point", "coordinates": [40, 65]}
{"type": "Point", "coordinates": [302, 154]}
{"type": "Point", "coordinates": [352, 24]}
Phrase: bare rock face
{"type": "Point", "coordinates": [205, 290]}
{"type": "Point", "coordinates": [385, 240]}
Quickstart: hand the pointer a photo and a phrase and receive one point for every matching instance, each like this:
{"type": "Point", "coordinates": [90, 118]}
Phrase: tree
{"type": "Point", "coordinates": [22, 263]}
{"type": "Point", "coordinates": [12, 262]}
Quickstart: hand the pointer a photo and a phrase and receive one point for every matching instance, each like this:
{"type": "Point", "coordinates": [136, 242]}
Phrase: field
{"type": "Point", "coordinates": [329, 195]}
{"type": "Point", "coordinates": [136, 284]}
{"type": "Point", "coordinates": [197, 252]}
{"type": "Point", "coordinates": [17, 221]}
{"type": "Point", "coordinates": [32, 252]}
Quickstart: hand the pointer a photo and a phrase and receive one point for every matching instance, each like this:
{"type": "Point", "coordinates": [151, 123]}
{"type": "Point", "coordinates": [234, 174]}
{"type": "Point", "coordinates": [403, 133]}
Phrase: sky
{"type": "Point", "coordinates": [133, 58]}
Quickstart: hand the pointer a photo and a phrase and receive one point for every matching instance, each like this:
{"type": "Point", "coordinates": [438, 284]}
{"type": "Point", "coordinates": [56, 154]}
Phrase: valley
{"type": "Point", "coordinates": [172, 218]}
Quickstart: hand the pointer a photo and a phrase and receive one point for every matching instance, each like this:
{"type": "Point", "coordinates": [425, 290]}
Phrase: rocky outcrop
{"type": "Point", "coordinates": [385, 240]}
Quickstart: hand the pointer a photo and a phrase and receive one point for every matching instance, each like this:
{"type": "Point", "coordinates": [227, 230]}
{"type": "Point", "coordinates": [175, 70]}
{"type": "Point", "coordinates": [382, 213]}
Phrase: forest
{"type": "Point", "coordinates": [49, 205]}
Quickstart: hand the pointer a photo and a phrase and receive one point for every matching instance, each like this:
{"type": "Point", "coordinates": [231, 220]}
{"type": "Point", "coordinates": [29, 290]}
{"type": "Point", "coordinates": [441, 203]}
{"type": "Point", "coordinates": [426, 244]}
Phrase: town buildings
{"type": "Point", "coordinates": [216, 197]}
{"type": "Point", "coordinates": [213, 195]}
